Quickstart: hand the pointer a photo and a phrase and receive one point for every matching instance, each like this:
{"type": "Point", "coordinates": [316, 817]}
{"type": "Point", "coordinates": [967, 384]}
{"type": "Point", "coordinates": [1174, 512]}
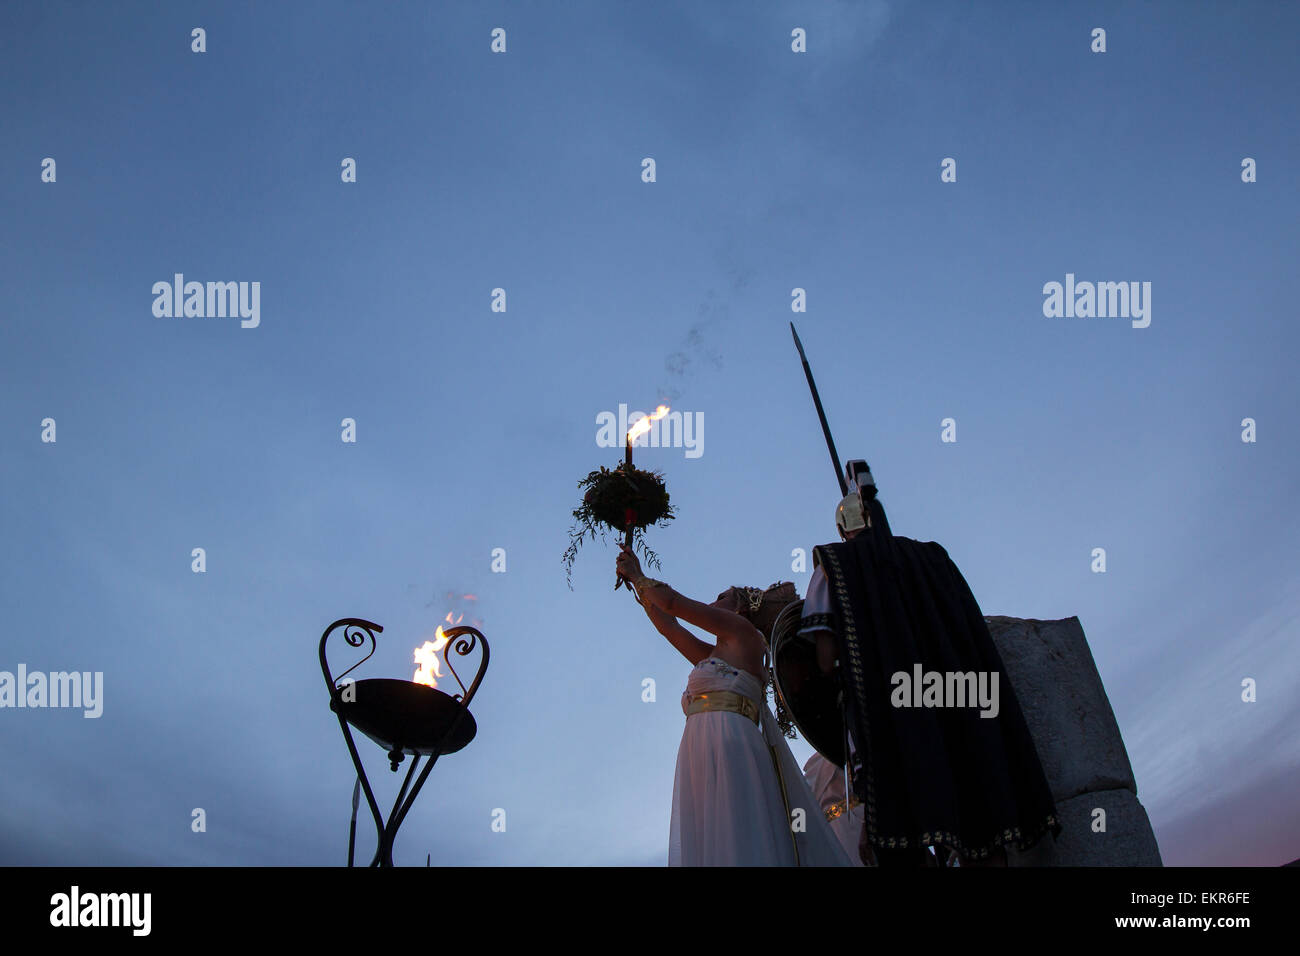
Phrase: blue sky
{"type": "Point", "coordinates": [522, 171]}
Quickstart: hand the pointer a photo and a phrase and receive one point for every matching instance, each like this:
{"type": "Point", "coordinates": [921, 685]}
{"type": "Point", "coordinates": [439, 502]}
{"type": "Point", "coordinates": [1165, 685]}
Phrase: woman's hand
{"type": "Point", "coordinates": [627, 564]}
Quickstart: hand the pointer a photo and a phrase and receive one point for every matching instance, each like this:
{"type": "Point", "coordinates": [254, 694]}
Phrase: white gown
{"type": "Point", "coordinates": [727, 803]}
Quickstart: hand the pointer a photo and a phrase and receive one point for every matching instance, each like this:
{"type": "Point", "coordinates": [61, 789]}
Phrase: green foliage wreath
{"type": "Point", "coordinates": [609, 495]}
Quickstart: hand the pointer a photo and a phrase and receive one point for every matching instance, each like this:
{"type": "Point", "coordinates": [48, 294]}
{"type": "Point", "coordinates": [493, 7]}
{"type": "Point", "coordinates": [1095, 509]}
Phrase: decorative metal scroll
{"type": "Point", "coordinates": [456, 639]}
{"type": "Point", "coordinates": [353, 630]}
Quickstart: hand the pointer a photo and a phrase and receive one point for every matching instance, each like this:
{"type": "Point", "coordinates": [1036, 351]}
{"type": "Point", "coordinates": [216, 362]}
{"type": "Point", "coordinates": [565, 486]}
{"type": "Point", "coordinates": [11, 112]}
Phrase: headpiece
{"type": "Point", "coordinates": [760, 606]}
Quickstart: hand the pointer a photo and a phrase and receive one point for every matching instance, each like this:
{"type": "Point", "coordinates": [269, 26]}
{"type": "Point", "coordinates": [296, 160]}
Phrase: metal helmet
{"type": "Point", "coordinates": [851, 515]}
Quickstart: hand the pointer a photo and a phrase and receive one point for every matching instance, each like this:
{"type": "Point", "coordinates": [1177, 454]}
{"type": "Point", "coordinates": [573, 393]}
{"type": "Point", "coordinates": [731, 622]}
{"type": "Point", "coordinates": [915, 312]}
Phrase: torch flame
{"type": "Point", "coordinates": [426, 655]}
{"type": "Point", "coordinates": [643, 425]}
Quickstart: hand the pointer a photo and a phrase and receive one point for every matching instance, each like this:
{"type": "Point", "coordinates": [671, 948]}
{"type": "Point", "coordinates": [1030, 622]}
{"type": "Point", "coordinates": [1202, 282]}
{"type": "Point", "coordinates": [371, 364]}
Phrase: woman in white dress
{"type": "Point", "coordinates": [739, 798]}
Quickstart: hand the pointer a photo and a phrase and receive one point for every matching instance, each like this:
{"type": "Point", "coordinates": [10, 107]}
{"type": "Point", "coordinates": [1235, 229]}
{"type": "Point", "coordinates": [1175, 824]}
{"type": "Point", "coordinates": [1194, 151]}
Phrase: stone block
{"type": "Point", "coordinates": [1065, 705]}
{"type": "Point", "coordinates": [1127, 841]}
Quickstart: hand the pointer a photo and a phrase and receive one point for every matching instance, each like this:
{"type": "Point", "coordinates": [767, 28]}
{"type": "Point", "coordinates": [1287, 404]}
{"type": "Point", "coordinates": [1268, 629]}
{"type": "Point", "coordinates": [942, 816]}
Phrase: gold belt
{"type": "Point", "coordinates": [841, 807]}
{"type": "Point", "coordinates": [723, 700]}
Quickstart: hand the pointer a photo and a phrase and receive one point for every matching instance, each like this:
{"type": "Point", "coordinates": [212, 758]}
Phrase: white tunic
{"type": "Point", "coordinates": [826, 781]}
{"type": "Point", "coordinates": [727, 803]}
{"type": "Point", "coordinates": [818, 600]}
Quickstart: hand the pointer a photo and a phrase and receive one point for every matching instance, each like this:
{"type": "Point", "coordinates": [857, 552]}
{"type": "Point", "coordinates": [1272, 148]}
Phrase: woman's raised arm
{"type": "Point", "coordinates": [690, 646]}
{"type": "Point", "coordinates": [717, 621]}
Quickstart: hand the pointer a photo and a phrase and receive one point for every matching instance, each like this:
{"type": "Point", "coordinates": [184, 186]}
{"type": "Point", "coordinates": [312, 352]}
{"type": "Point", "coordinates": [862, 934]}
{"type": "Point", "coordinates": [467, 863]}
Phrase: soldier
{"type": "Point", "coordinates": [946, 774]}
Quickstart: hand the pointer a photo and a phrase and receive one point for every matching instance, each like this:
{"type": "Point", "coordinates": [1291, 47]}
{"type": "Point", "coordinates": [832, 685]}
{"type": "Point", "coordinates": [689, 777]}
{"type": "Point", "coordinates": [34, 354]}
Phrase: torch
{"type": "Point", "coordinates": [629, 513]}
{"type": "Point", "coordinates": [624, 499]}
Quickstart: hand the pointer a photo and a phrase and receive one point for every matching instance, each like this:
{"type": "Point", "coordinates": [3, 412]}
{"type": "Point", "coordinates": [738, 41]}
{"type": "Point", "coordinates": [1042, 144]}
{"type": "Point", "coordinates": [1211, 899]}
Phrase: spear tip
{"type": "Point", "coordinates": [797, 343]}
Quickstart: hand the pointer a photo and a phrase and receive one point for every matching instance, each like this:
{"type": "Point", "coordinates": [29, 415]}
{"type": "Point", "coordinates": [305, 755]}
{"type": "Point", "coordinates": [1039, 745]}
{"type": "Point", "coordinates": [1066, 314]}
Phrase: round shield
{"type": "Point", "coordinates": [809, 696]}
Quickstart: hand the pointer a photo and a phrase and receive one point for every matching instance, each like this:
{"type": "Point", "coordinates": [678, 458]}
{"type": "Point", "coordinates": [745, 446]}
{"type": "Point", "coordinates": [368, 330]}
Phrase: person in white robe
{"type": "Point", "coordinates": [826, 781]}
{"type": "Point", "coordinates": [739, 798]}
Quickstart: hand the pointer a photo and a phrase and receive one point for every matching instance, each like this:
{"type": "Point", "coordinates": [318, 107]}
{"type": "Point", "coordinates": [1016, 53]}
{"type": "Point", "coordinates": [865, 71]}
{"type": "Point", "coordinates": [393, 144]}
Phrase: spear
{"type": "Point", "coordinates": [821, 414]}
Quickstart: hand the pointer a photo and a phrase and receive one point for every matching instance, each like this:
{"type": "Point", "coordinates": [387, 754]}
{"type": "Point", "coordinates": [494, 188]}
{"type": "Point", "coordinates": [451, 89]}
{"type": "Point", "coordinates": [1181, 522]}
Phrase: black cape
{"type": "Point", "coordinates": [929, 775]}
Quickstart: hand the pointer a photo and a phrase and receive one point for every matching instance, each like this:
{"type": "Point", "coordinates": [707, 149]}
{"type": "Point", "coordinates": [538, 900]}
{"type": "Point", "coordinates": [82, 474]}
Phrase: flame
{"type": "Point", "coordinates": [643, 425]}
{"type": "Point", "coordinates": [426, 655]}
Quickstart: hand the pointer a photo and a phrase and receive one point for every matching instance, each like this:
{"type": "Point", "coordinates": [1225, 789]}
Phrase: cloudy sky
{"type": "Point", "coordinates": [522, 171]}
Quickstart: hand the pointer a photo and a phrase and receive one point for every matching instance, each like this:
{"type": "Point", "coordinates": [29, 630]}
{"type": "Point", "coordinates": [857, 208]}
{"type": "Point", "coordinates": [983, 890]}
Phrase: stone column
{"type": "Point", "coordinates": [1079, 744]}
